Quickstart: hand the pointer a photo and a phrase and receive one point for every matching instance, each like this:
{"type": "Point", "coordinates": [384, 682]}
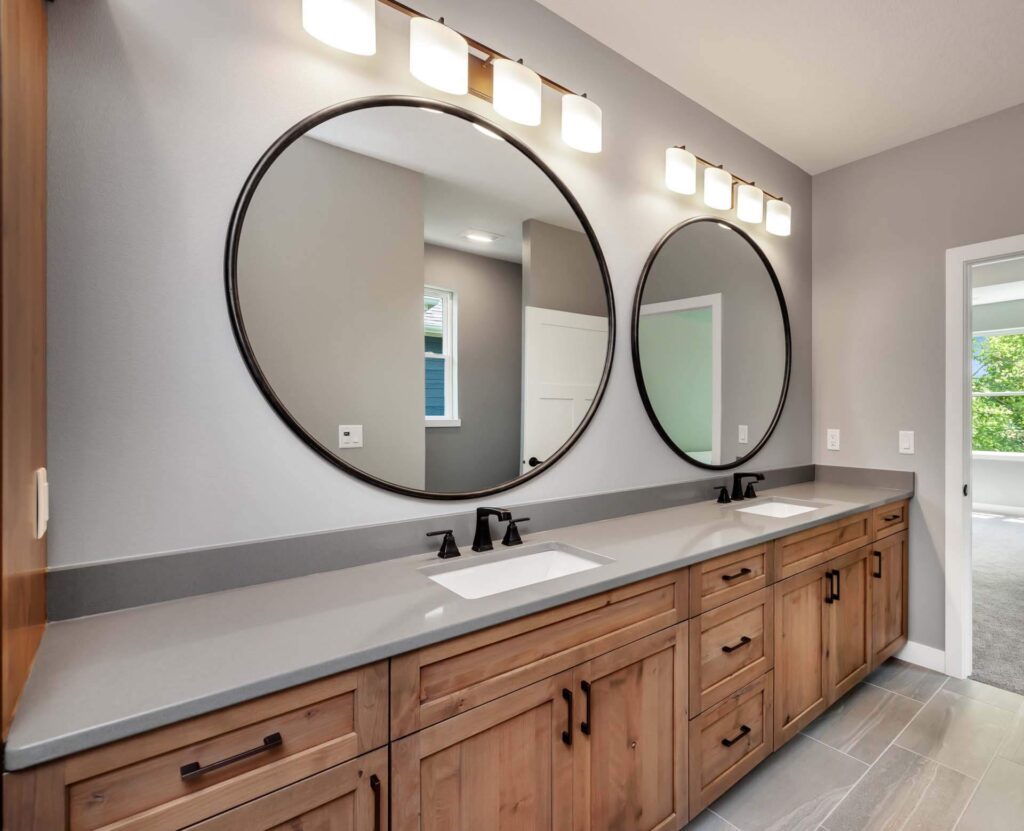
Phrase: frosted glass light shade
{"type": "Point", "coordinates": [438, 56]}
{"type": "Point", "coordinates": [778, 217]}
{"type": "Point", "coordinates": [749, 203]}
{"type": "Point", "coordinates": [517, 92]}
{"type": "Point", "coordinates": [717, 188]}
{"type": "Point", "coordinates": [680, 170]}
{"type": "Point", "coordinates": [581, 123]}
{"type": "Point", "coordinates": [349, 25]}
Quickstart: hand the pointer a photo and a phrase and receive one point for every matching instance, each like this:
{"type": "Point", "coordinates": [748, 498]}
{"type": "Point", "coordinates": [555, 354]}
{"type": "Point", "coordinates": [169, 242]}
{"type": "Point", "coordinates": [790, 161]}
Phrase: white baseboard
{"type": "Point", "coordinates": [924, 656]}
{"type": "Point", "coordinates": [1006, 510]}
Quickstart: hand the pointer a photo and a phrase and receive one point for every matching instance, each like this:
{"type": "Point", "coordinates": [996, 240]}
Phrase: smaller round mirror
{"type": "Point", "coordinates": [711, 343]}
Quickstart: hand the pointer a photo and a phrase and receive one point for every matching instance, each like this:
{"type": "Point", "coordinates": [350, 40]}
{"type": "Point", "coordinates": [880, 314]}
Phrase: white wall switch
{"type": "Point", "coordinates": [907, 441]}
{"type": "Point", "coordinates": [832, 439]}
{"type": "Point", "coordinates": [42, 503]}
{"type": "Point", "coordinates": [350, 435]}
{"type": "Point", "coordinates": [743, 436]}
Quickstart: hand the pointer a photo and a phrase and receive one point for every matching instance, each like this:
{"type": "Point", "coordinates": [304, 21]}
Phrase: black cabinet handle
{"type": "Point", "coordinates": [743, 642]}
{"type": "Point", "coordinates": [195, 769]}
{"type": "Point", "coordinates": [878, 573]}
{"type": "Point", "coordinates": [375, 787]}
{"type": "Point", "coordinates": [829, 596]}
{"type": "Point", "coordinates": [892, 517]}
{"type": "Point", "coordinates": [567, 734]}
{"type": "Point", "coordinates": [743, 572]}
{"type": "Point", "coordinates": [730, 742]}
{"type": "Point", "coordinates": [835, 573]}
{"type": "Point", "coordinates": [585, 724]}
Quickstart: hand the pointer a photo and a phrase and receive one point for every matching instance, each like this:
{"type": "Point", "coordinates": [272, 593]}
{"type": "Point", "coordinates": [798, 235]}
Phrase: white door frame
{"type": "Point", "coordinates": [959, 613]}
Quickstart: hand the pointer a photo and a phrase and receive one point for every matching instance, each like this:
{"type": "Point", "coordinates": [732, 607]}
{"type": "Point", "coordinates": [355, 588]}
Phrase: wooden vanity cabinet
{"type": "Point", "coordinates": [889, 568]}
{"type": "Point", "coordinates": [848, 658]}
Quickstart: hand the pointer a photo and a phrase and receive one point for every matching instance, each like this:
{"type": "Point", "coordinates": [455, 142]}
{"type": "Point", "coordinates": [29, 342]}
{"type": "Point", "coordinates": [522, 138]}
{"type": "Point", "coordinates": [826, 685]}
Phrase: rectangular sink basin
{"type": "Point", "coordinates": [777, 508]}
{"type": "Point", "coordinates": [481, 575]}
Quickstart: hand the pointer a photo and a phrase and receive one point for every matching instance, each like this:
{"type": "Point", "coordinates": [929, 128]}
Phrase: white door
{"type": "Point", "coordinates": [563, 358]}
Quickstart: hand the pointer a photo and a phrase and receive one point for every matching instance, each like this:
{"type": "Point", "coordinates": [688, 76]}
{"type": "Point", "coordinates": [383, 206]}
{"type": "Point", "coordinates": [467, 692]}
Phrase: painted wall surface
{"type": "Point", "coordinates": [881, 229]}
{"type": "Point", "coordinates": [560, 270]}
{"type": "Point", "coordinates": [159, 440]}
{"type": "Point", "coordinates": [998, 481]}
{"type": "Point", "coordinates": [331, 290]}
{"type": "Point", "coordinates": [484, 449]}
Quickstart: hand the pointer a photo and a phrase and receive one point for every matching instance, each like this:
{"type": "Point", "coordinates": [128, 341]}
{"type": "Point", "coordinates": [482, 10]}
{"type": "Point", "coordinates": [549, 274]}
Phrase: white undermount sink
{"type": "Point", "coordinates": [481, 575]}
{"type": "Point", "coordinates": [777, 508]}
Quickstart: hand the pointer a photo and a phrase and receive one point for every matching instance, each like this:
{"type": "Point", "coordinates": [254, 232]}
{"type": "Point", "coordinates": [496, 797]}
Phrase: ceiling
{"type": "Point", "coordinates": [823, 82]}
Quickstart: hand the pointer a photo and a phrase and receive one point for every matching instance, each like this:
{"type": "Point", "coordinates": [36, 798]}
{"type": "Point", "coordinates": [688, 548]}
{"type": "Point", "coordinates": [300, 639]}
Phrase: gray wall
{"type": "Point", "coordinates": [484, 450]}
{"type": "Point", "coordinates": [331, 291]}
{"type": "Point", "coordinates": [560, 270]}
{"type": "Point", "coordinates": [881, 229]}
{"type": "Point", "coordinates": [158, 439]}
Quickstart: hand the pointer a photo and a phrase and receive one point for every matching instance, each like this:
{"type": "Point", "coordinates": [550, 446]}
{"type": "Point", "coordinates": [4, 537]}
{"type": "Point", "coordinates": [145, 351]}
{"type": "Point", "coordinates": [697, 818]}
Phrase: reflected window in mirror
{"type": "Point", "coordinates": [440, 341]}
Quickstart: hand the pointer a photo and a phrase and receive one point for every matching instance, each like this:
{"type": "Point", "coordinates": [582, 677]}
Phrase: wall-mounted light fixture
{"type": "Point", "coordinates": [719, 183]}
{"type": "Point", "coordinates": [452, 62]}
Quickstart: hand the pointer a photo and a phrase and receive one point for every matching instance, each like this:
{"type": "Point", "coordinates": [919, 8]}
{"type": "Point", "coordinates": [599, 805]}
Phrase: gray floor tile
{"type": "Point", "coordinates": [998, 804]}
{"type": "Point", "coordinates": [706, 821]}
{"type": "Point", "coordinates": [906, 791]}
{"type": "Point", "coordinates": [1013, 747]}
{"type": "Point", "coordinates": [1003, 699]}
{"type": "Point", "coordinates": [864, 723]}
{"type": "Point", "coordinates": [795, 789]}
{"type": "Point", "coordinates": [959, 732]}
{"type": "Point", "coordinates": [907, 679]}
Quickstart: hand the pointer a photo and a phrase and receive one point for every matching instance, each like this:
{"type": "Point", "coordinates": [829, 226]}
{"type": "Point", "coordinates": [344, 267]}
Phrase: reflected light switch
{"type": "Point", "coordinates": [743, 438]}
{"type": "Point", "coordinates": [350, 435]}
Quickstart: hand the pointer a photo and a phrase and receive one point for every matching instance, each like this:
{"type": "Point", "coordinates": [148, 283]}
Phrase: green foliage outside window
{"type": "Point", "coordinates": [998, 368]}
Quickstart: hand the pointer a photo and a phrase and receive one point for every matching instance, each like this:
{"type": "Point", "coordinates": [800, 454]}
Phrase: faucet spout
{"type": "Point", "coordinates": [482, 538]}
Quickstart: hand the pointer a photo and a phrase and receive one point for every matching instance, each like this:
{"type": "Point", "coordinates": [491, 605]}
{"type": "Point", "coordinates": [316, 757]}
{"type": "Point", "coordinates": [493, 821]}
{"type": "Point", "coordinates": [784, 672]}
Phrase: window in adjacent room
{"type": "Point", "coordinates": [440, 342]}
{"type": "Point", "coordinates": [997, 397]}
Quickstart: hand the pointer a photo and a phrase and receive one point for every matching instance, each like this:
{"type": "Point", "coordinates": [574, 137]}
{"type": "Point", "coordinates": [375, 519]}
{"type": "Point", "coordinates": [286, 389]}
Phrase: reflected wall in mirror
{"type": "Point", "coordinates": [711, 343]}
{"type": "Point", "coordinates": [419, 297]}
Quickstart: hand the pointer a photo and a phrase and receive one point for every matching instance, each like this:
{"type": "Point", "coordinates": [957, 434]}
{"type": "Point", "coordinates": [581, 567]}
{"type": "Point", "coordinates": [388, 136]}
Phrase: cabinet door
{"type": "Point", "coordinates": [349, 797]}
{"type": "Point", "coordinates": [888, 596]}
{"type": "Point", "coordinates": [630, 747]}
{"type": "Point", "coordinates": [849, 631]}
{"type": "Point", "coordinates": [801, 639]}
{"type": "Point", "coordinates": [503, 765]}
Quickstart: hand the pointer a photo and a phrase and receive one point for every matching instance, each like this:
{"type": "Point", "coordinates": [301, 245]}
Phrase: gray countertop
{"type": "Point", "coordinates": [106, 677]}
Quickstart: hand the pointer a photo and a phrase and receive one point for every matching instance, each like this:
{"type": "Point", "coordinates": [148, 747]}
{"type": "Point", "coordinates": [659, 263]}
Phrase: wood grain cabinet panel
{"type": "Point", "coordinates": [891, 518]}
{"type": "Point", "coordinates": [849, 626]}
{"type": "Point", "coordinates": [722, 579]}
{"type": "Point", "coordinates": [806, 549]}
{"type": "Point", "coordinates": [889, 569]}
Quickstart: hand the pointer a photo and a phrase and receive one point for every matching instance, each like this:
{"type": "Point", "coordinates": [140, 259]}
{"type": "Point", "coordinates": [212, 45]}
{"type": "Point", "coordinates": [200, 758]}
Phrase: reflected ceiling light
{"type": "Point", "coordinates": [680, 170]}
{"type": "Point", "coordinates": [350, 25]}
{"type": "Point", "coordinates": [481, 236]}
{"type": "Point", "coordinates": [517, 92]}
{"type": "Point", "coordinates": [438, 56]}
{"type": "Point", "coordinates": [749, 203]}
{"type": "Point", "coordinates": [488, 133]}
{"type": "Point", "coordinates": [581, 123]}
{"type": "Point", "coordinates": [778, 217]}
{"type": "Point", "coordinates": [718, 188]}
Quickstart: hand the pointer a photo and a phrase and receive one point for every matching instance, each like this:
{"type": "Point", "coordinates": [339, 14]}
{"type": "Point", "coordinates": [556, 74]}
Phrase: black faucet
{"type": "Point", "coordinates": [512, 536]}
{"type": "Point", "coordinates": [723, 494]}
{"type": "Point", "coordinates": [448, 547]}
{"type": "Point", "coordinates": [737, 485]}
{"type": "Point", "coordinates": [482, 538]}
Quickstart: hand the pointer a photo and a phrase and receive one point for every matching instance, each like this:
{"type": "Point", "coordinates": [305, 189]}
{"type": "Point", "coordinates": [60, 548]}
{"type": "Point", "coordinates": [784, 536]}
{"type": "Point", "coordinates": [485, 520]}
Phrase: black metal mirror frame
{"type": "Point", "coordinates": [635, 339]}
{"type": "Point", "coordinates": [238, 325]}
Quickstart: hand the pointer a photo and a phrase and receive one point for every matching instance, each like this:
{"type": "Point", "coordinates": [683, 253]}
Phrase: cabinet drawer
{"type": "Point", "coordinates": [440, 681]}
{"type": "Point", "coordinates": [890, 519]}
{"type": "Point", "coordinates": [725, 578]}
{"type": "Point", "coordinates": [729, 741]}
{"type": "Point", "coordinates": [180, 775]}
{"type": "Point", "coordinates": [729, 647]}
{"type": "Point", "coordinates": [806, 549]}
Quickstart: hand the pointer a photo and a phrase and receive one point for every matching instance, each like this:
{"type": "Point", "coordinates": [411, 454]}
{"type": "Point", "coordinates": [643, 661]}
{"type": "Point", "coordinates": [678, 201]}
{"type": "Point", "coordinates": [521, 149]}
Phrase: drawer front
{"type": "Point", "coordinates": [890, 519]}
{"type": "Point", "coordinates": [806, 549]}
{"type": "Point", "coordinates": [193, 781]}
{"type": "Point", "coordinates": [723, 579]}
{"type": "Point", "coordinates": [729, 647]}
{"type": "Point", "coordinates": [729, 741]}
{"type": "Point", "coordinates": [440, 681]}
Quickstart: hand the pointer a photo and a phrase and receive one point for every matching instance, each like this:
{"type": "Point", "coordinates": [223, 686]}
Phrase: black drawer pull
{"type": "Point", "coordinates": [743, 642]}
{"type": "Point", "coordinates": [743, 572]}
{"type": "Point", "coordinates": [375, 787]}
{"type": "Point", "coordinates": [878, 573]}
{"type": "Point", "coordinates": [567, 734]}
{"type": "Point", "coordinates": [585, 724]}
{"type": "Point", "coordinates": [730, 742]}
{"type": "Point", "coordinates": [195, 769]}
{"type": "Point", "coordinates": [835, 573]}
{"type": "Point", "coordinates": [892, 517]}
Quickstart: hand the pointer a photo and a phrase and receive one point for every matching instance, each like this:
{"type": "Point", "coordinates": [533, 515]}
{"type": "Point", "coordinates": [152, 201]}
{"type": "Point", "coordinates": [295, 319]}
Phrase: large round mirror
{"type": "Point", "coordinates": [419, 297]}
{"type": "Point", "coordinates": [711, 343]}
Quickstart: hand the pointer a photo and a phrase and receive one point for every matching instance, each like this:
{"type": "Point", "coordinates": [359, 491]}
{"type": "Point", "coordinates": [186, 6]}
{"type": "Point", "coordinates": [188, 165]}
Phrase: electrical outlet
{"type": "Point", "coordinates": [832, 439]}
{"type": "Point", "coordinates": [907, 442]}
{"type": "Point", "coordinates": [743, 435]}
{"type": "Point", "coordinates": [350, 435]}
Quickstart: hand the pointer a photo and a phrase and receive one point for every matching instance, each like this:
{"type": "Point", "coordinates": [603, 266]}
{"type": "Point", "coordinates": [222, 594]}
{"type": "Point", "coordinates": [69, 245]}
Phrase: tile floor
{"type": "Point", "coordinates": [908, 749]}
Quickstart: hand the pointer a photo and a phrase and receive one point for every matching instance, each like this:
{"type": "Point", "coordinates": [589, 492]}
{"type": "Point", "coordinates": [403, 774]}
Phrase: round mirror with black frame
{"type": "Point", "coordinates": [419, 297]}
{"type": "Point", "coordinates": [711, 341]}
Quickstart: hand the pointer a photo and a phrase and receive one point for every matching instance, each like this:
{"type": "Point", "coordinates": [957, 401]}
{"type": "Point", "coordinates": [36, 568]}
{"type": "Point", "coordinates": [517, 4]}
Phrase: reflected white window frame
{"type": "Point", "coordinates": [449, 353]}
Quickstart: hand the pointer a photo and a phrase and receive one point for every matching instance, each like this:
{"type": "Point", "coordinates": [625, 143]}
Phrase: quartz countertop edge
{"type": "Point", "coordinates": [110, 676]}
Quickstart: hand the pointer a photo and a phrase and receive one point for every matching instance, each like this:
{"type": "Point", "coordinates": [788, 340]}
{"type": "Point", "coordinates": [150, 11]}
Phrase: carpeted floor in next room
{"type": "Point", "coordinates": [998, 555]}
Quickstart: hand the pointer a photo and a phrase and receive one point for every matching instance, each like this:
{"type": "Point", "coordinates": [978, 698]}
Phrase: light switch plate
{"type": "Point", "coordinates": [743, 435]}
{"type": "Point", "coordinates": [832, 439]}
{"type": "Point", "coordinates": [350, 435]}
{"type": "Point", "coordinates": [907, 442]}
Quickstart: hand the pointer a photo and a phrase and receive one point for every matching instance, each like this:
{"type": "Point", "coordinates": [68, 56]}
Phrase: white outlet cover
{"type": "Point", "coordinates": [832, 439]}
{"type": "Point", "coordinates": [907, 442]}
{"type": "Point", "coordinates": [743, 434]}
{"type": "Point", "coordinates": [350, 435]}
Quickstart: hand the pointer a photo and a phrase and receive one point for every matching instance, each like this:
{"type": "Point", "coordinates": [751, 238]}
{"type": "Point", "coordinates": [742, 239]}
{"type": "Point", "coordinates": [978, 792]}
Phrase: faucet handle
{"type": "Point", "coordinates": [512, 532]}
{"type": "Point", "coordinates": [723, 494]}
{"type": "Point", "coordinates": [448, 547]}
{"type": "Point", "coordinates": [749, 492]}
